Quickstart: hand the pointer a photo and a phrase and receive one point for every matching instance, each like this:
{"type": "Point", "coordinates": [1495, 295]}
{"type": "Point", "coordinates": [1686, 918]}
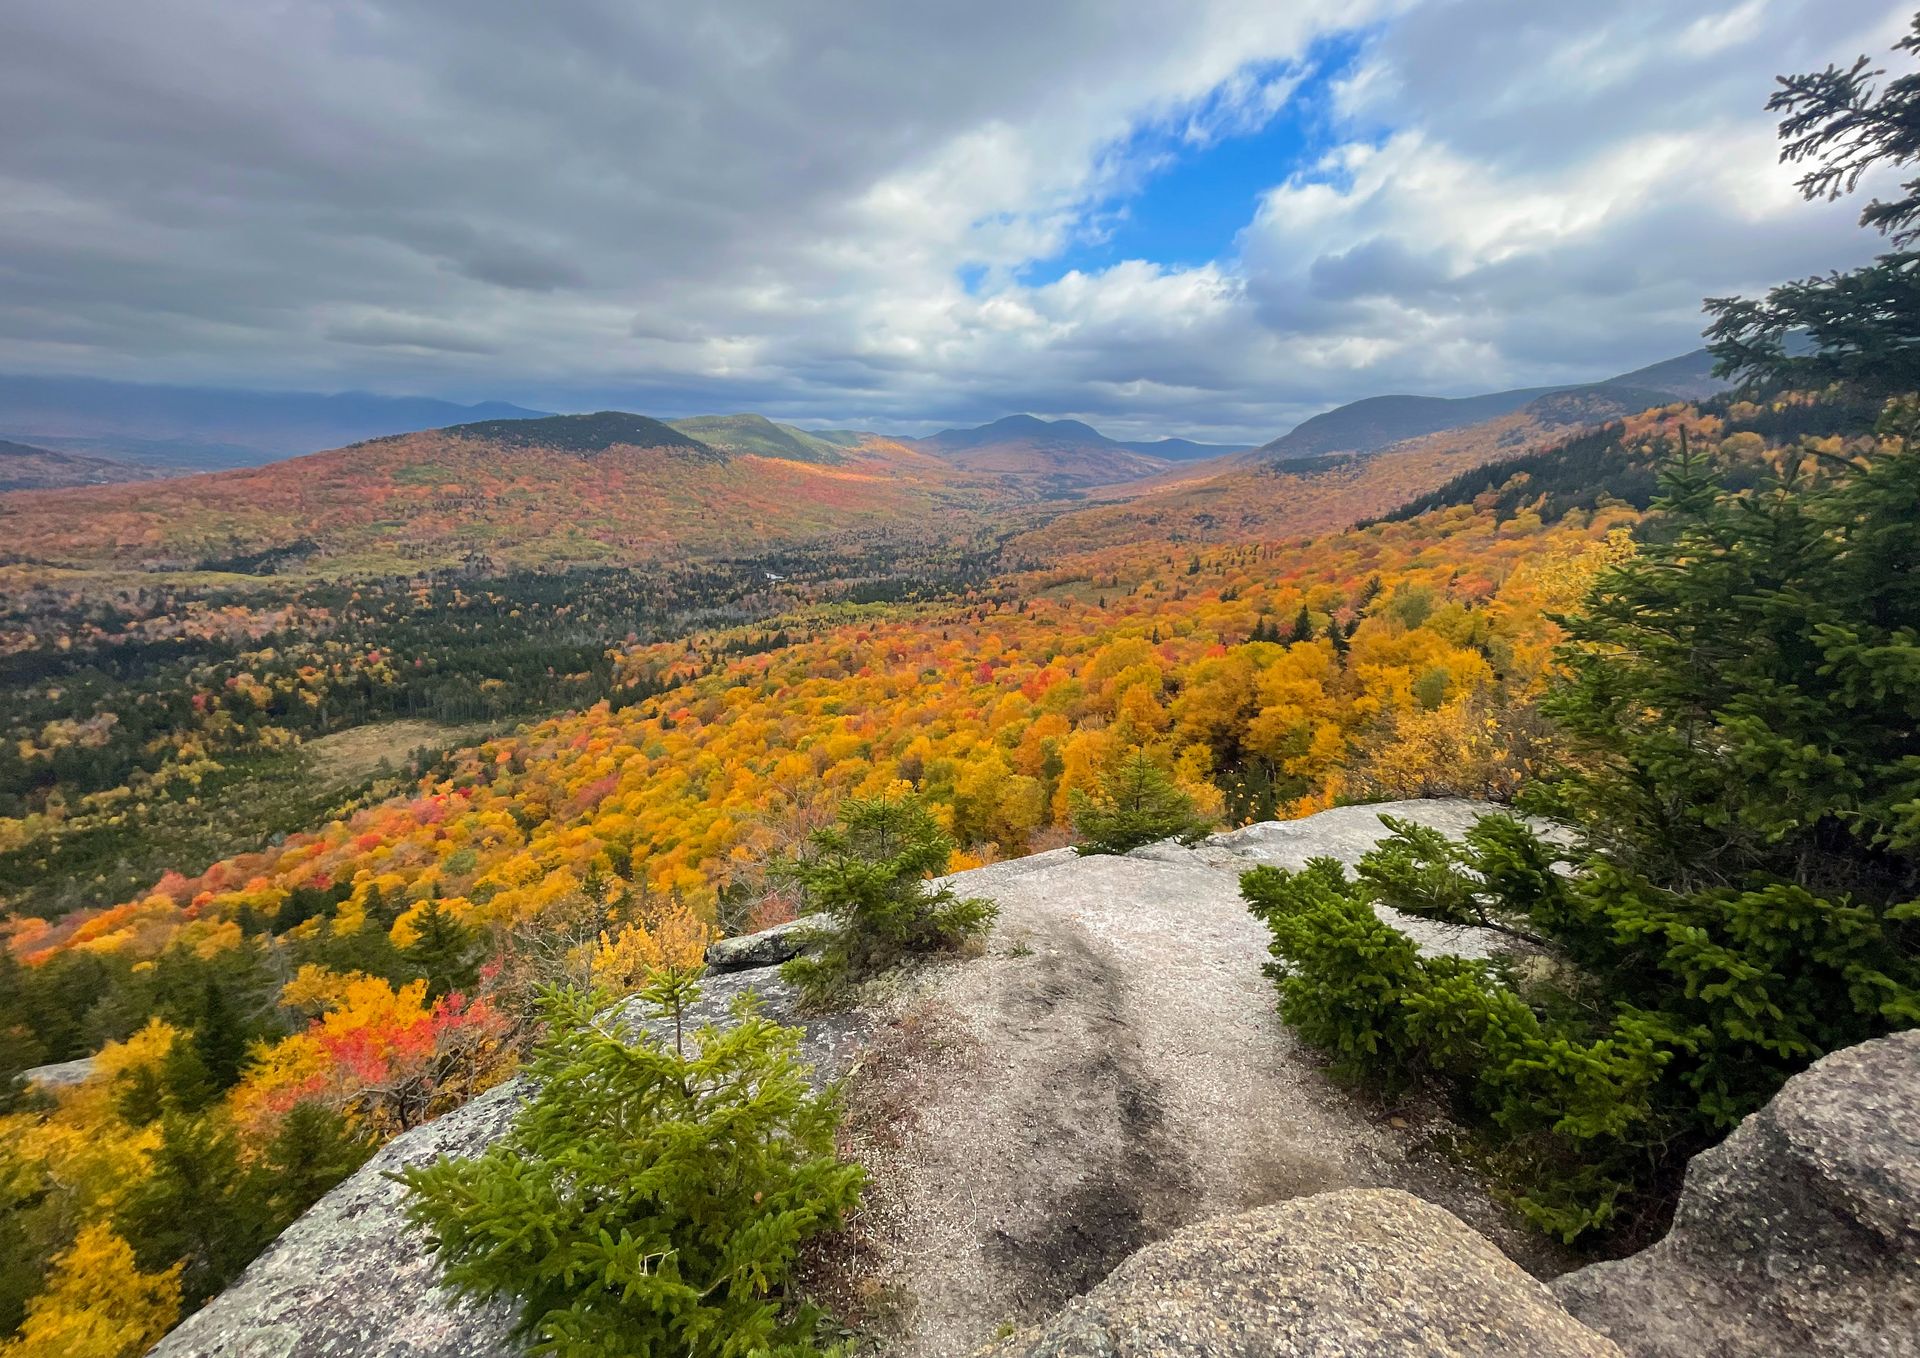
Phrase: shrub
{"type": "Point", "coordinates": [868, 873]}
{"type": "Point", "coordinates": [653, 1195]}
{"type": "Point", "coordinates": [1738, 709]}
{"type": "Point", "coordinates": [1138, 803]}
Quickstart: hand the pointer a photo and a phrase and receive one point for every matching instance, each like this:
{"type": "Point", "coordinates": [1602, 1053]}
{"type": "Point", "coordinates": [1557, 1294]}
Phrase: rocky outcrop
{"type": "Point", "coordinates": [1361, 1273]}
{"type": "Point", "coordinates": [350, 1280]}
{"type": "Point", "coordinates": [1111, 1070]}
{"type": "Point", "coordinates": [61, 1074]}
{"type": "Point", "coordinates": [768, 948]}
{"type": "Point", "coordinates": [1799, 1234]}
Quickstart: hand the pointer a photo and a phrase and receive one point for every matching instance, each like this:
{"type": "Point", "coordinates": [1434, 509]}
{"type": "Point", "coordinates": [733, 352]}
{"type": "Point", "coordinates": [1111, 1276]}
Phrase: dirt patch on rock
{"type": "Point", "coordinates": [1109, 1072]}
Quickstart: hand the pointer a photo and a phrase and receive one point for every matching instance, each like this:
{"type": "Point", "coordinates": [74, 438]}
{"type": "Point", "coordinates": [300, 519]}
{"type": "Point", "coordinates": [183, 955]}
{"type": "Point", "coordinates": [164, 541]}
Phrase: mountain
{"type": "Point", "coordinates": [1258, 496]}
{"type": "Point", "coordinates": [212, 427]}
{"type": "Point", "coordinates": [1184, 450]}
{"type": "Point", "coordinates": [605, 488]}
{"type": "Point", "coordinates": [1689, 376]}
{"type": "Point", "coordinates": [1372, 423]}
{"type": "Point", "coordinates": [1043, 456]}
{"type": "Point", "coordinates": [23, 467]}
{"type": "Point", "coordinates": [1368, 425]}
{"type": "Point", "coordinates": [759, 435]}
{"type": "Point", "coordinates": [601, 432]}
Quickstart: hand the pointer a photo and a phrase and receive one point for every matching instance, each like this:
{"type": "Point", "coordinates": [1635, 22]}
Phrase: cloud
{"type": "Point", "coordinates": [830, 213]}
{"type": "Point", "coordinates": [385, 330]}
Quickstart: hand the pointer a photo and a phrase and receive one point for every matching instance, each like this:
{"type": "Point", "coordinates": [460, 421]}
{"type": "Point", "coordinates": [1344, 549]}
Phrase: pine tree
{"type": "Point", "coordinates": [1138, 803]}
{"type": "Point", "coordinates": [220, 1038]}
{"type": "Point", "coordinates": [314, 1149]}
{"type": "Point", "coordinates": [868, 873]}
{"type": "Point", "coordinates": [200, 1207]}
{"type": "Point", "coordinates": [1859, 327]}
{"type": "Point", "coordinates": [1740, 716]}
{"type": "Point", "coordinates": [654, 1194]}
{"type": "Point", "coordinates": [140, 1096]}
{"type": "Point", "coordinates": [444, 951]}
{"type": "Point", "coordinates": [185, 1083]}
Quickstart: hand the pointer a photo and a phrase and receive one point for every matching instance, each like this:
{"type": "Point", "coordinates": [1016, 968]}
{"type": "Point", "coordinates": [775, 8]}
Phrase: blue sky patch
{"type": "Point", "coordinates": [1190, 199]}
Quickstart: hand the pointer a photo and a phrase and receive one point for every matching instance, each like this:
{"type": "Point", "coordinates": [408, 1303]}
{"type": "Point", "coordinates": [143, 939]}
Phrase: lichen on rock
{"type": "Point", "coordinates": [1799, 1234]}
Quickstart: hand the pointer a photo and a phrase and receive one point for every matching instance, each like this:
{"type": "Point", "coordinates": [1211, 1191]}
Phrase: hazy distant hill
{"type": "Point", "coordinates": [23, 467]}
{"type": "Point", "coordinates": [761, 436]}
{"type": "Point", "coordinates": [1371, 424]}
{"type": "Point", "coordinates": [1184, 450]}
{"type": "Point", "coordinates": [210, 427]}
{"type": "Point", "coordinates": [1047, 456]}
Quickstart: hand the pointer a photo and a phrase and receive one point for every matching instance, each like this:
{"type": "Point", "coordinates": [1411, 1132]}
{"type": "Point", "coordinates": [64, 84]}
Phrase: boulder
{"type": "Point", "coordinates": [61, 1074]}
{"type": "Point", "coordinates": [1358, 1273]}
{"type": "Point", "coordinates": [1799, 1234]}
{"type": "Point", "coordinates": [768, 948]}
{"type": "Point", "coordinates": [351, 1280]}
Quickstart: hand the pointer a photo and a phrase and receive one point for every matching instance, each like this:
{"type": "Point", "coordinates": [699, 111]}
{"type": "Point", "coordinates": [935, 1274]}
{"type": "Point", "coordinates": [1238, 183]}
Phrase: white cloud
{"type": "Point", "coordinates": [760, 207]}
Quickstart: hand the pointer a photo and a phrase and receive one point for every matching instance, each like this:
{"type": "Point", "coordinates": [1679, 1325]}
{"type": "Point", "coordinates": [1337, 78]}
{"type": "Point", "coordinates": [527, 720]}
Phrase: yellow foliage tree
{"type": "Point", "coordinates": [97, 1303]}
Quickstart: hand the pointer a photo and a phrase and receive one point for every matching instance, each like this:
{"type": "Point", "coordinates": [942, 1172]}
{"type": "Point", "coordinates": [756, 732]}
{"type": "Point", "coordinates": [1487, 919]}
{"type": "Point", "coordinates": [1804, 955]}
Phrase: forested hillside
{"type": "Point", "coordinates": [569, 490]}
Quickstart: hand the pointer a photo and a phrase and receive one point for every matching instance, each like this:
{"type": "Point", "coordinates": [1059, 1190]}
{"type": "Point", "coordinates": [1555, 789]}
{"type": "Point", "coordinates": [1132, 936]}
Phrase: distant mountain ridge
{"type": "Point", "coordinates": [557, 490]}
{"type": "Point", "coordinates": [1069, 434]}
{"type": "Point", "coordinates": [1057, 456]}
{"type": "Point", "coordinates": [205, 428]}
{"type": "Point", "coordinates": [1375, 422]}
{"type": "Point", "coordinates": [1184, 450]}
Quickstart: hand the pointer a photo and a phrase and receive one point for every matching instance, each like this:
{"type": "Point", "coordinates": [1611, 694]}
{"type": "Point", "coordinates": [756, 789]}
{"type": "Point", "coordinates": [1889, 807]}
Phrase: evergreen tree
{"type": "Point", "coordinates": [654, 1194]}
{"type": "Point", "coordinates": [1862, 327]}
{"type": "Point", "coordinates": [220, 1038]}
{"type": "Point", "coordinates": [140, 1096]}
{"type": "Point", "coordinates": [1744, 687]}
{"type": "Point", "coordinates": [185, 1083]}
{"type": "Point", "coordinates": [314, 1149]}
{"type": "Point", "coordinates": [200, 1207]}
{"type": "Point", "coordinates": [1138, 803]}
{"type": "Point", "coordinates": [1845, 125]}
{"type": "Point", "coordinates": [1740, 714]}
{"type": "Point", "coordinates": [444, 951]}
{"type": "Point", "coordinates": [20, 1048]}
{"type": "Point", "coordinates": [868, 873]}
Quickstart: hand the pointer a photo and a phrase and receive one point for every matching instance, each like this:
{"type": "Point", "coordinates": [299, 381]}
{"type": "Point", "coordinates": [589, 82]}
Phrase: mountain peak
{"type": "Point", "coordinates": [594, 433]}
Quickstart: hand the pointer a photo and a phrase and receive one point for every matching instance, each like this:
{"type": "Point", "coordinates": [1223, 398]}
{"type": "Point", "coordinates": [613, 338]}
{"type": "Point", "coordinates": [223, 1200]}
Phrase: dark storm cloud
{"type": "Point", "coordinates": [768, 205]}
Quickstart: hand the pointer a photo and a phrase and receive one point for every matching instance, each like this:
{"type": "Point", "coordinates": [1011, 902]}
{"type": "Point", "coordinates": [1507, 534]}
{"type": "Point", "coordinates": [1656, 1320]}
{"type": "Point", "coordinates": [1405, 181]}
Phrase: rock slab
{"type": "Point", "coordinates": [1799, 1234]}
{"type": "Point", "coordinates": [769, 947]}
{"type": "Point", "coordinates": [1358, 1273]}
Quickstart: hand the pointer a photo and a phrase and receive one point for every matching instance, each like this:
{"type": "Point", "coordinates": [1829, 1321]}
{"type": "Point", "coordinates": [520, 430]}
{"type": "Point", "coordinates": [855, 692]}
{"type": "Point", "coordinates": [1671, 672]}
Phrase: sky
{"type": "Point", "coordinates": [1209, 218]}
